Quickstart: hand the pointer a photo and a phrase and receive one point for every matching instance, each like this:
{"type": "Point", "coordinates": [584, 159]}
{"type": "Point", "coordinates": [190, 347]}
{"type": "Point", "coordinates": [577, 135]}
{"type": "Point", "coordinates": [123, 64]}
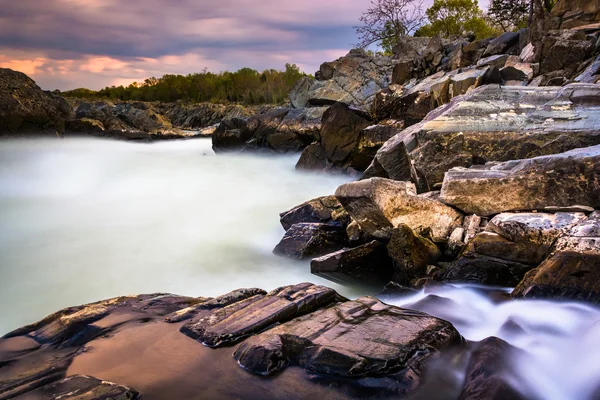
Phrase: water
{"type": "Point", "coordinates": [85, 219]}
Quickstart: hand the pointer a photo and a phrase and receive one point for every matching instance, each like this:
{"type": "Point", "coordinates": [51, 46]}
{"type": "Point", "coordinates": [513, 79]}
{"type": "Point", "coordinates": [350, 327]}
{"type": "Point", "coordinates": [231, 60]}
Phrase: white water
{"type": "Point", "coordinates": [85, 219]}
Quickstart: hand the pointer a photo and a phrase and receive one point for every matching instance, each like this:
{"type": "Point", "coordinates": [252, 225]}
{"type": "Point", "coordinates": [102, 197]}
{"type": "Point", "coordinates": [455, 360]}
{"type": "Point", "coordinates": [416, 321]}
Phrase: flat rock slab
{"type": "Point", "coordinates": [351, 339]}
{"type": "Point", "coordinates": [235, 322]}
{"type": "Point", "coordinates": [307, 240]}
{"type": "Point", "coordinates": [557, 180]}
{"type": "Point", "coordinates": [80, 387]}
{"type": "Point", "coordinates": [379, 205]}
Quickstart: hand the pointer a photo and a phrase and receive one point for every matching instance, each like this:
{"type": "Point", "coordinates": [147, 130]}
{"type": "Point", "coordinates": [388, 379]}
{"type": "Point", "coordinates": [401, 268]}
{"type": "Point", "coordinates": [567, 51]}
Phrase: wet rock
{"type": "Point", "coordinates": [493, 123]}
{"type": "Point", "coordinates": [325, 210]}
{"type": "Point", "coordinates": [231, 135]}
{"type": "Point", "coordinates": [396, 289]}
{"type": "Point", "coordinates": [307, 240]}
{"type": "Point", "coordinates": [557, 180]}
{"type": "Point", "coordinates": [485, 270]}
{"type": "Point", "coordinates": [368, 264]}
{"type": "Point", "coordinates": [313, 157]}
{"type": "Point", "coordinates": [239, 320]}
{"type": "Point", "coordinates": [80, 387]}
{"type": "Point", "coordinates": [489, 372]}
{"type": "Point", "coordinates": [379, 205]}
{"type": "Point", "coordinates": [205, 305]}
{"type": "Point", "coordinates": [411, 254]}
{"type": "Point", "coordinates": [351, 339]}
{"type": "Point", "coordinates": [25, 108]}
{"type": "Point", "coordinates": [496, 246]}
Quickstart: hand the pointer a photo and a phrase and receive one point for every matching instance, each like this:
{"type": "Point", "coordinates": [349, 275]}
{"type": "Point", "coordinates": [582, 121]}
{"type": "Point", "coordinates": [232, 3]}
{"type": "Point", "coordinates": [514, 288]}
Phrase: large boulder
{"type": "Point", "coordinates": [353, 339]}
{"type": "Point", "coordinates": [325, 210]}
{"type": "Point", "coordinates": [571, 271]}
{"type": "Point", "coordinates": [368, 264]}
{"type": "Point", "coordinates": [307, 240]}
{"type": "Point", "coordinates": [380, 205]}
{"type": "Point", "coordinates": [493, 123]}
{"type": "Point", "coordinates": [564, 50]}
{"type": "Point", "coordinates": [25, 108]}
{"type": "Point", "coordinates": [559, 180]}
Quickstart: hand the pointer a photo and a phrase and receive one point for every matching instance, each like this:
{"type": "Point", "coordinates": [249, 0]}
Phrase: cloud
{"type": "Point", "coordinates": [94, 43]}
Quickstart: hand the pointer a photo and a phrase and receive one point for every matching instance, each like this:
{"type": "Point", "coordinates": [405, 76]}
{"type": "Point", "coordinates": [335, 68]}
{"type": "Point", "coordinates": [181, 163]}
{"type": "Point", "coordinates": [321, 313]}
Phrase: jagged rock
{"type": "Point", "coordinates": [370, 141]}
{"type": "Point", "coordinates": [239, 320]}
{"type": "Point", "coordinates": [353, 79]}
{"type": "Point", "coordinates": [368, 264]}
{"type": "Point", "coordinates": [25, 108]}
{"type": "Point", "coordinates": [558, 180]}
{"type": "Point", "coordinates": [80, 387]}
{"type": "Point", "coordinates": [485, 270]}
{"type": "Point", "coordinates": [325, 210]}
{"type": "Point", "coordinates": [493, 123]}
{"type": "Point", "coordinates": [520, 72]}
{"type": "Point", "coordinates": [591, 74]}
{"type": "Point", "coordinates": [575, 13]}
{"type": "Point", "coordinates": [205, 305]}
{"type": "Point", "coordinates": [380, 205]}
{"type": "Point", "coordinates": [351, 339]}
{"type": "Point", "coordinates": [456, 242]}
{"type": "Point", "coordinates": [307, 240]}
{"type": "Point", "coordinates": [299, 94]}
{"type": "Point", "coordinates": [490, 371]}
{"type": "Point", "coordinates": [411, 254]}
{"type": "Point", "coordinates": [231, 134]}
{"type": "Point", "coordinates": [564, 50]}
{"type": "Point", "coordinates": [85, 125]}
{"type": "Point", "coordinates": [571, 271]}
{"type": "Point", "coordinates": [497, 61]}
{"type": "Point", "coordinates": [502, 43]}
{"type": "Point", "coordinates": [313, 157]}
{"type": "Point", "coordinates": [396, 289]}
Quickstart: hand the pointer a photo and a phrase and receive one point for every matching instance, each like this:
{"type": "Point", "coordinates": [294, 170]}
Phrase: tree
{"type": "Point", "coordinates": [509, 14]}
{"type": "Point", "coordinates": [456, 17]}
{"type": "Point", "coordinates": [385, 21]}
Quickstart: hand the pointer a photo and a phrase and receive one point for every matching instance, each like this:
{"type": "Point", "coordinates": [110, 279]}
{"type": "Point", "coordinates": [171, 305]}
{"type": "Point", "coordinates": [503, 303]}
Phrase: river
{"type": "Point", "coordinates": [87, 219]}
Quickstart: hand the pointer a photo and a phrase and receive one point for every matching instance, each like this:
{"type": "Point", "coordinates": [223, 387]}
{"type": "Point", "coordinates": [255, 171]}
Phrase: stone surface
{"type": "Point", "coordinates": [493, 123]}
{"type": "Point", "coordinates": [368, 264]}
{"type": "Point", "coordinates": [411, 254]}
{"type": "Point", "coordinates": [307, 240]}
{"type": "Point", "coordinates": [239, 320]}
{"type": "Point", "coordinates": [80, 387]}
{"type": "Point", "coordinates": [565, 179]}
{"type": "Point", "coordinates": [351, 339]}
{"type": "Point", "coordinates": [325, 210]}
{"type": "Point", "coordinates": [485, 270]}
{"type": "Point", "coordinates": [379, 205]}
{"type": "Point", "coordinates": [25, 108]}
{"type": "Point", "coordinates": [574, 13]}
{"type": "Point", "coordinates": [564, 50]}
{"type": "Point", "coordinates": [501, 44]}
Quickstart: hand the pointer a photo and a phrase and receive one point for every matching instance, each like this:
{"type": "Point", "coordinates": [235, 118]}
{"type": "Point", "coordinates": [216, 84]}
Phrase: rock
{"type": "Point", "coordinates": [299, 94]}
{"type": "Point", "coordinates": [501, 44]}
{"type": "Point", "coordinates": [521, 72]}
{"type": "Point", "coordinates": [570, 272]}
{"type": "Point", "coordinates": [557, 180]}
{"type": "Point", "coordinates": [574, 13]}
{"type": "Point", "coordinates": [485, 270]}
{"type": "Point", "coordinates": [25, 108]}
{"type": "Point", "coordinates": [490, 371]}
{"type": "Point", "coordinates": [456, 242]}
{"type": "Point", "coordinates": [85, 125]}
{"type": "Point", "coordinates": [370, 141]}
{"type": "Point", "coordinates": [591, 74]}
{"type": "Point", "coordinates": [380, 205]}
{"type": "Point", "coordinates": [564, 50]}
{"type": "Point", "coordinates": [239, 320]}
{"type": "Point", "coordinates": [307, 240]}
{"type": "Point", "coordinates": [368, 264]}
{"type": "Point", "coordinates": [211, 304]}
{"type": "Point", "coordinates": [411, 254]}
{"type": "Point", "coordinates": [80, 387]}
{"type": "Point", "coordinates": [353, 79]}
{"type": "Point", "coordinates": [497, 61]}
{"type": "Point", "coordinates": [396, 289]}
{"type": "Point", "coordinates": [493, 123]}
{"type": "Point", "coordinates": [472, 226]}
{"type": "Point", "coordinates": [325, 210]}
{"type": "Point", "coordinates": [313, 158]}
{"type": "Point", "coordinates": [231, 135]}
{"type": "Point", "coordinates": [351, 339]}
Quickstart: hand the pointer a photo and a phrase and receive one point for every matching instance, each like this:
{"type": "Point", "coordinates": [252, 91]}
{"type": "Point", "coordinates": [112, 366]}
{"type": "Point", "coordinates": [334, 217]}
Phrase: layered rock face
{"type": "Point", "coordinates": [575, 13]}
{"type": "Point", "coordinates": [25, 108]}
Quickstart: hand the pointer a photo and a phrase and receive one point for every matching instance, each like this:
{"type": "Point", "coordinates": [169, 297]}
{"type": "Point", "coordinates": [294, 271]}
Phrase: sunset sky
{"type": "Point", "coordinates": [64, 44]}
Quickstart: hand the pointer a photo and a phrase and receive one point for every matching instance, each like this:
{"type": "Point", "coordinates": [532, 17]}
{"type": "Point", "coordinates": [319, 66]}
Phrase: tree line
{"type": "Point", "coordinates": [246, 86]}
{"type": "Point", "coordinates": [385, 21]}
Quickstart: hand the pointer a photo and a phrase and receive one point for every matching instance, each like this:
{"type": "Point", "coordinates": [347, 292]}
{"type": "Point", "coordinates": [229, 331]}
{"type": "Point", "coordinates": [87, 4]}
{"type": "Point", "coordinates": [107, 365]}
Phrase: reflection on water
{"type": "Point", "coordinates": [85, 219]}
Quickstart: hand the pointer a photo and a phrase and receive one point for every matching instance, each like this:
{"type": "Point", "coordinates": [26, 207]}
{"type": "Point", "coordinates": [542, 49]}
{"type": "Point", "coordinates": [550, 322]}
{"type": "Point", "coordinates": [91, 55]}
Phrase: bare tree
{"type": "Point", "coordinates": [387, 20]}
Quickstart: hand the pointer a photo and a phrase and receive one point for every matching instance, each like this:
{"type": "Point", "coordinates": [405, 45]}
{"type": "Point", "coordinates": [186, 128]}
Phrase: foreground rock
{"type": "Point", "coordinates": [351, 349]}
{"type": "Point", "coordinates": [25, 108]}
{"type": "Point", "coordinates": [380, 205]}
{"type": "Point", "coordinates": [492, 123]}
{"type": "Point", "coordinates": [347, 340]}
{"type": "Point", "coordinates": [559, 180]}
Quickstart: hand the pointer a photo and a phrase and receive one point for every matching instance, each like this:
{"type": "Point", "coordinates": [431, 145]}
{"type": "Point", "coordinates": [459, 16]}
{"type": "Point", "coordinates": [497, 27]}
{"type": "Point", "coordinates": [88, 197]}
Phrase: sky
{"type": "Point", "coordinates": [66, 44]}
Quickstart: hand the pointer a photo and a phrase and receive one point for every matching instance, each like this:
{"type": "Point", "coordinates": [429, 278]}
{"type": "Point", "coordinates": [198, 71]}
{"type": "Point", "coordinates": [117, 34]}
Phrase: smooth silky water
{"type": "Point", "coordinates": [87, 219]}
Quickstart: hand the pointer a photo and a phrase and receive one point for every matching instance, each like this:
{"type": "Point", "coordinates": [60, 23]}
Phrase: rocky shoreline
{"type": "Point", "coordinates": [479, 162]}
